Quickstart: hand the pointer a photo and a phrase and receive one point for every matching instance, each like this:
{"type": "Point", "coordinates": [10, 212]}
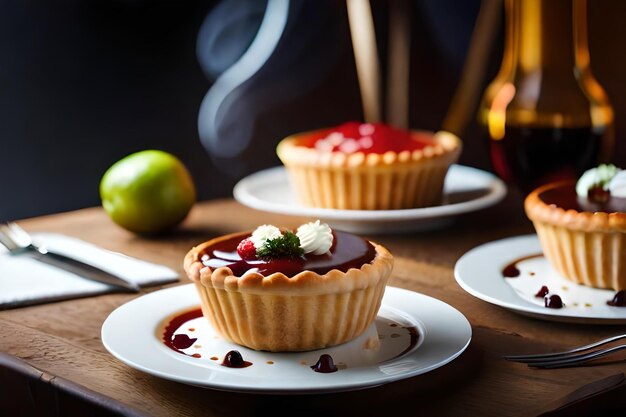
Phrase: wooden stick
{"type": "Point", "coordinates": [366, 57]}
{"type": "Point", "coordinates": [399, 48]}
{"type": "Point", "coordinates": [467, 95]}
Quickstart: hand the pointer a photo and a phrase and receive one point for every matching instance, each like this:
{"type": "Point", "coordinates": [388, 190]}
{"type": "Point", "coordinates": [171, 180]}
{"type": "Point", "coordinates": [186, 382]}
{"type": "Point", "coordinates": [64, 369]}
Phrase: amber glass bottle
{"type": "Point", "coordinates": [546, 116]}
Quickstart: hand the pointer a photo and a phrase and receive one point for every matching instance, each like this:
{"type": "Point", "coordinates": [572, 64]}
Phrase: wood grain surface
{"type": "Point", "coordinates": [63, 338]}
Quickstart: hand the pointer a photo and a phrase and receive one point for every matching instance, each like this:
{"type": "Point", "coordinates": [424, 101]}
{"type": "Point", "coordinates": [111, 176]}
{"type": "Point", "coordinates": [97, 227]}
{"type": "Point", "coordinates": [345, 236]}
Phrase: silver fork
{"type": "Point", "coordinates": [19, 242]}
{"type": "Point", "coordinates": [572, 357]}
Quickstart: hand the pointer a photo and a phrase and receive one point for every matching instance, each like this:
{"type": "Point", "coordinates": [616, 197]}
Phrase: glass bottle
{"type": "Point", "coordinates": [546, 116]}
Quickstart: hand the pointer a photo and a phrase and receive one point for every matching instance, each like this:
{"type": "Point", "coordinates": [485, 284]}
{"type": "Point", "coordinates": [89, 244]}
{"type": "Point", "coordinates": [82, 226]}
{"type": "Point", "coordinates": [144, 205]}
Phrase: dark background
{"type": "Point", "coordinates": [85, 82]}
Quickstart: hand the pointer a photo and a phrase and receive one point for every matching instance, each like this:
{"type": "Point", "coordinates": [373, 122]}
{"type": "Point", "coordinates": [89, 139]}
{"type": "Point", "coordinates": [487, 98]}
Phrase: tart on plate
{"type": "Point", "coordinates": [280, 290]}
{"type": "Point", "coordinates": [365, 166]}
{"type": "Point", "coordinates": [582, 226]}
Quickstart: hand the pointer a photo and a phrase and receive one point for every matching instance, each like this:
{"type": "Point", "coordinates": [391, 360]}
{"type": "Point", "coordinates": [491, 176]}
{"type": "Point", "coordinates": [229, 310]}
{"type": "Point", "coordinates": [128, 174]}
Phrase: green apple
{"type": "Point", "coordinates": [147, 192]}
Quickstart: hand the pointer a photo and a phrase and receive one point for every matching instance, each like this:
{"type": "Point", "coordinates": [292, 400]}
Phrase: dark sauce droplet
{"type": "Point", "coordinates": [511, 270]}
{"type": "Point", "coordinates": [553, 301]}
{"type": "Point", "coordinates": [233, 359]}
{"type": "Point", "coordinates": [543, 291]}
{"type": "Point", "coordinates": [325, 365]}
{"type": "Point", "coordinates": [414, 337]}
{"type": "Point", "coordinates": [619, 300]}
{"type": "Point", "coordinates": [182, 341]}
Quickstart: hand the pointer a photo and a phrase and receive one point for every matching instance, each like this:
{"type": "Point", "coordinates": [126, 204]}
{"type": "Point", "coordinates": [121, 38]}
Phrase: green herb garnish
{"type": "Point", "coordinates": [285, 246]}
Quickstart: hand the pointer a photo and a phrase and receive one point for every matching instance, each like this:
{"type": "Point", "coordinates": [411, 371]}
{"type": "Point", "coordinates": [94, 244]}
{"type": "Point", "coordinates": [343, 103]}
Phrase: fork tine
{"type": "Point", "coordinates": [6, 238]}
{"type": "Point", "coordinates": [19, 235]}
{"type": "Point", "coordinates": [578, 359]}
{"type": "Point", "coordinates": [566, 353]}
{"type": "Point", "coordinates": [13, 237]}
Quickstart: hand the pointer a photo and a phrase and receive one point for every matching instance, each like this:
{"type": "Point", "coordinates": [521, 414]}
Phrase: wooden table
{"type": "Point", "coordinates": [62, 339]}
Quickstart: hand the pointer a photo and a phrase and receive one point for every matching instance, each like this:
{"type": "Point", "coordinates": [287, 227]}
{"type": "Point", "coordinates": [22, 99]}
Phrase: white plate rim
{"type": "Point", "coordinates": [497, 191]}
{"type": "Point", "coordinates": [503, 295]}
{"type": "Point", "coordinates": [357, 379]}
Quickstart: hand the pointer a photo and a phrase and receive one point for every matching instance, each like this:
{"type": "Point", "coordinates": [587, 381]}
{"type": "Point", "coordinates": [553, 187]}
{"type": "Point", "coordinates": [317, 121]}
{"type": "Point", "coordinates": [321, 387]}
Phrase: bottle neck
{"type": "Point", "coordinates": [546, 36]}
{"type": "Point", "coordinates": [545, 79]}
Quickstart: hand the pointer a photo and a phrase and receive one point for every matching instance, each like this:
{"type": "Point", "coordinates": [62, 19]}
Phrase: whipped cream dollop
{"type": "Point", "coordinates": [617, 186]}
{"type": "Point", "coordinates": [264, 233]}
{"type": "Point", "coordinates": [315, 237]}
{"type": "Point", "coordinates": [601, 176]}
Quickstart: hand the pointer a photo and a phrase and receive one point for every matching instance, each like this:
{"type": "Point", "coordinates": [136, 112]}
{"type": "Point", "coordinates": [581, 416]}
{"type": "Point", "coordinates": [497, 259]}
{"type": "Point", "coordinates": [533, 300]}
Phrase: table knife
{"type": "Point", "coordinates": [81, 269]}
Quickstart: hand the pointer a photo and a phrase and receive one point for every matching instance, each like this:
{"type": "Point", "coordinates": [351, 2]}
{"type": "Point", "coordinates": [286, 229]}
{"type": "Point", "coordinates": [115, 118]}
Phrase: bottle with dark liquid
{"type": "Point", "coordinates": [546, 116]}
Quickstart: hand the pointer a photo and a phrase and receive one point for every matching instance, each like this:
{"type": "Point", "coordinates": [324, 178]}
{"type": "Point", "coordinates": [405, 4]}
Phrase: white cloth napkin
{"type": "Point", "coordinates": [25, 281]}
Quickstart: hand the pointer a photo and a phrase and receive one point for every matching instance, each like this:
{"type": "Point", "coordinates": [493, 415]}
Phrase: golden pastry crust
{"type": "Point", "coordinates": [584, 247]}
{"type": "Point", "coordinates": [280, 313]}
{"type": "Point", "coordinates": [393, 180]}
{"type": "Point", "coordinates": [538, 210]}
{"type": "Point", "coordinates": [444, 143]}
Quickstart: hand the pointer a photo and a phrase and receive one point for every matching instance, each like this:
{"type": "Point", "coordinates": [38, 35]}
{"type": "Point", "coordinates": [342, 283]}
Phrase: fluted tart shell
{"type": "Point", "coordinates": [282, 313]}
{"type": "Point", "coordinates": [372, 181]}
{"type": "Point", "coordinates": [585, 247]}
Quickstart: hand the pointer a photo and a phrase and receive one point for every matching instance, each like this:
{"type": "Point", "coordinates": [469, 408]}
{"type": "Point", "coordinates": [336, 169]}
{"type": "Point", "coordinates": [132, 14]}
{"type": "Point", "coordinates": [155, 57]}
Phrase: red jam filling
{"type": "Point", "coordinates": [565, 197]}
{"type": "Point", "coordinates": [378, 138]}
{"type": "Point", "coordinates": [348, 251]}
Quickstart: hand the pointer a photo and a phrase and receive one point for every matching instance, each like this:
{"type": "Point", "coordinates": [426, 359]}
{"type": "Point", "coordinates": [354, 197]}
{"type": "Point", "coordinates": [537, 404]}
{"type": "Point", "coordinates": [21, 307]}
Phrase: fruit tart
{"type": "Point", "coordinates": [280, 290]}
{"type": "Point", "coordinates": [364, 166]}
{"type": "Point", "coordinates": [582, 226]}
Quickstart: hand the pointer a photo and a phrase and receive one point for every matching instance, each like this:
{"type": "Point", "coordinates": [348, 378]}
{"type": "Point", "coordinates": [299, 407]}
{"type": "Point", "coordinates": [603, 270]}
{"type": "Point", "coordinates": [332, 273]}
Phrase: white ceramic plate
{"type": "Point", "coordinates": [479, 272]}
{"type": "Point", "coordinates": [466, 189]}
{"type": "Point", "coordinates": [133, 333]}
